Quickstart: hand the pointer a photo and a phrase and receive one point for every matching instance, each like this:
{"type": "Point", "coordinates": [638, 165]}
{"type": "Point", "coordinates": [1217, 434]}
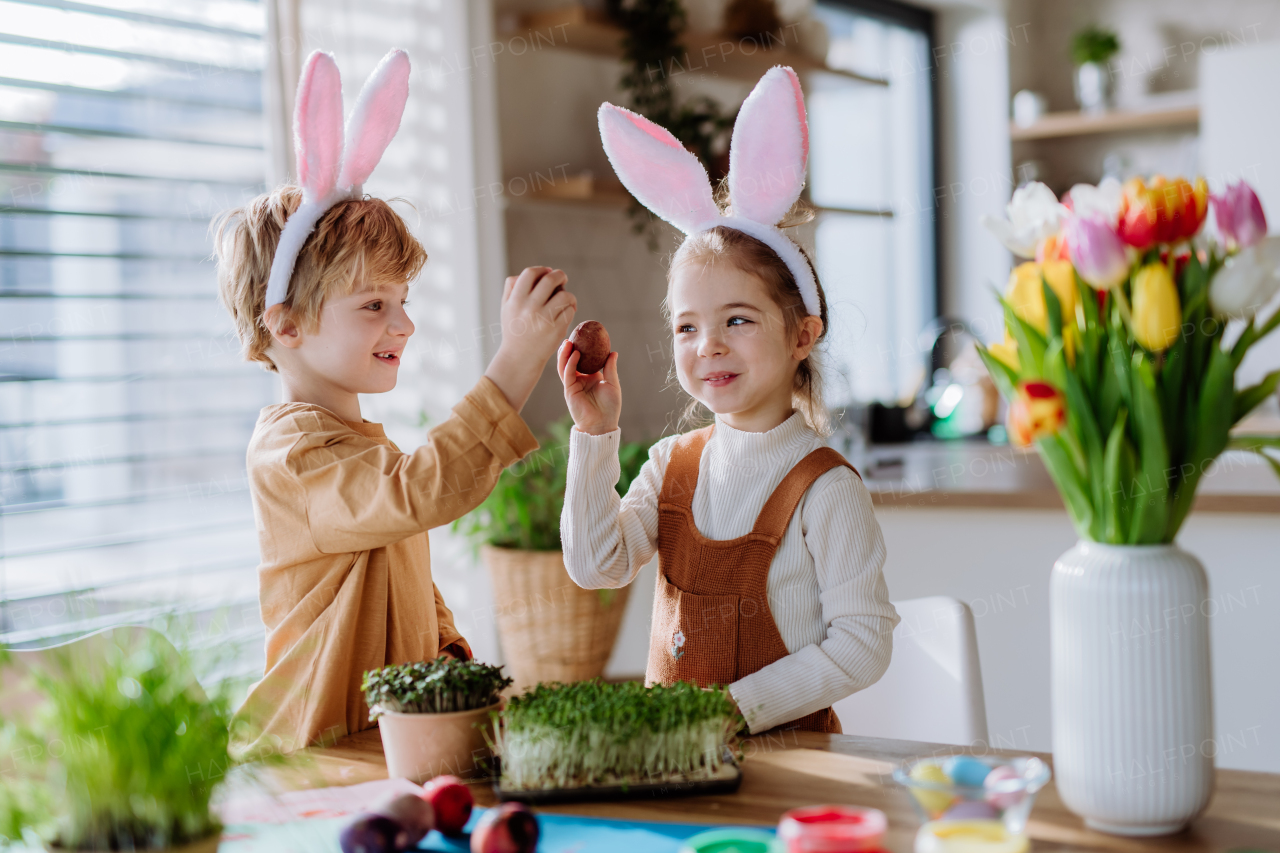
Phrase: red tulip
{"type": "Point", "coordinates": [1162, 212]}
{"type": "Point", "coordinates": [1037, 411]}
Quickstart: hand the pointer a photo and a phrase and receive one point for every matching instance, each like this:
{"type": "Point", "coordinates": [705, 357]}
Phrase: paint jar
{"type": "Point", "coordinates": [969, 836]}
{"type": "Point", "coordinates": [832, 829]}
{"type": "Point", "coordinates": [732, 841]}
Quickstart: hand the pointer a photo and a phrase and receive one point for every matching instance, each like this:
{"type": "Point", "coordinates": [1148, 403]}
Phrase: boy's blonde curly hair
{"type": "Point", "coordinates": [357, 243]}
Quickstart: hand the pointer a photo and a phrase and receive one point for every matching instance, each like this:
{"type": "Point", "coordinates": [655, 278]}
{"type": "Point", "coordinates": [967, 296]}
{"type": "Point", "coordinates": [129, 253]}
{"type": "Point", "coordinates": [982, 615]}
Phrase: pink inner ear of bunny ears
{"type": "Point", "coordinates": [768, 155]}
{"type": "Point", "coordinates": [375, 118]}
{"type": "Point", "coordinates": [769, 150]}
{"type": "Point", "coordinates": [326, 175]}
{"type": "Point", "coordinates": [661, 173]}
{"type": "Point", "coordinates": [317, 125]}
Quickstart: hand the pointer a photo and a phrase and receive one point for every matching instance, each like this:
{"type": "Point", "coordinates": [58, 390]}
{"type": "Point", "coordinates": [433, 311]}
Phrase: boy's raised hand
{"type": "Point", "coordinates": [536, 313]}
{"type": "Point", "coordinates": [594, 399]}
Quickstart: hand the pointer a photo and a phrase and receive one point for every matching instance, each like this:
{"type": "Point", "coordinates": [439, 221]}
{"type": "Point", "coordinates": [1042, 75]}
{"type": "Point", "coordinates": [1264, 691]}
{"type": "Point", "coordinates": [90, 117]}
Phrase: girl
{"type": "Point", "coordinates": [769, 555]}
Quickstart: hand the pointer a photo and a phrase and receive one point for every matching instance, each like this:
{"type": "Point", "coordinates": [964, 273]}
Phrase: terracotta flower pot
{"type": "Point", "coordinates": [422, 746]}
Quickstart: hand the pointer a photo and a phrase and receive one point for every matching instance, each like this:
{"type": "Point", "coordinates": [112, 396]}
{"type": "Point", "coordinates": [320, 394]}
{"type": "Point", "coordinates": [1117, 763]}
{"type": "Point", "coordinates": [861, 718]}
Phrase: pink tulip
{"type": "Point", "coordinates": [1097, 252]}
{"type": "Point", "coordinates": [1238, 212]}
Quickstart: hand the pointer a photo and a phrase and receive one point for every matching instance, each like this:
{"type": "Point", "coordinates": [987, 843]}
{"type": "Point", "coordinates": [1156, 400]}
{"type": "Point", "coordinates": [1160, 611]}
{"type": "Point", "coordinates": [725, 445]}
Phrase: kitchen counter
{"type": "Point", "coordinates": [976, 474]}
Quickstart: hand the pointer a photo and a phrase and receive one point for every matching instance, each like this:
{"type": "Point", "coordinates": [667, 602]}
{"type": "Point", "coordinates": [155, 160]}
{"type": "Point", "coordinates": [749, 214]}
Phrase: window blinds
{"type": "Point", "coordinates": [125, 409]}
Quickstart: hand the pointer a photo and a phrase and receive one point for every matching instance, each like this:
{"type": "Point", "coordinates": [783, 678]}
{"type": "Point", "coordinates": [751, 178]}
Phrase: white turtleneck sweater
{"type": "Point", "coordinates": [826, 590]}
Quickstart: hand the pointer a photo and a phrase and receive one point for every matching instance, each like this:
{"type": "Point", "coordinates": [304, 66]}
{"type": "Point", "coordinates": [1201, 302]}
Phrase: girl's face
{"type": "Point", "coordinates": [732, 350]}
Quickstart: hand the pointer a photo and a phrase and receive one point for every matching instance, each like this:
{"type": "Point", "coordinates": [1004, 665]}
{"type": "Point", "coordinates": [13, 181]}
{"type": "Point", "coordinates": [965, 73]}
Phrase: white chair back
{"type": "Point", "coordinates": [932, 690]}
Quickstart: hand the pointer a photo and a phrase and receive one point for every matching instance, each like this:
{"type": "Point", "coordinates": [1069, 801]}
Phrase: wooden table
{"type": "Point", "coordinates": [783, 771]}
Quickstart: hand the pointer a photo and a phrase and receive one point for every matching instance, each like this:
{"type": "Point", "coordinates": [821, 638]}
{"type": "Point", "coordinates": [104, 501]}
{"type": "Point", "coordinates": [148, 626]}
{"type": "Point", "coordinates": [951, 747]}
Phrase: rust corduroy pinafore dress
{"type": "Point", "coordinates": [711, 617]}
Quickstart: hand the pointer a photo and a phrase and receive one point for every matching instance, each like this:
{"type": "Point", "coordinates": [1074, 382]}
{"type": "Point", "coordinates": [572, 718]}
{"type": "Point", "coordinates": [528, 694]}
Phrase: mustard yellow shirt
{"type": "Point", "coordinates": [345, 579]}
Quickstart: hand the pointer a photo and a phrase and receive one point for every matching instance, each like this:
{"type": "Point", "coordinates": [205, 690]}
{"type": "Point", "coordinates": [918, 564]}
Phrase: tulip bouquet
{"type": "Point", "coordinates": [1124, 330]}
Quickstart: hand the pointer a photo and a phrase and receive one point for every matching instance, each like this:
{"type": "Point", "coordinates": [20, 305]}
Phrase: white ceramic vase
{"type": "Point", "coordinates": [1132, 698]}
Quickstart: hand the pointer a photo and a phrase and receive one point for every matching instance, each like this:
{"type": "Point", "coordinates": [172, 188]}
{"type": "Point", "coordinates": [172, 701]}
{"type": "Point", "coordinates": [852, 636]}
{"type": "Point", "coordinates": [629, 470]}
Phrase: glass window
{"type": "Point", "coordinates": [871, 172]}
{"type": "Point", "coordinates": [125, 407]}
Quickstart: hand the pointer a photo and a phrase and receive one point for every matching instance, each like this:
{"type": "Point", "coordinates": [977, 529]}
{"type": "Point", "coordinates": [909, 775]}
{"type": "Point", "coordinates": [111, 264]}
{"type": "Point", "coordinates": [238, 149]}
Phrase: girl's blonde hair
{"type": "Point", "coordinates": [355, 240]}
{"type": "Point", "coordinates": [727, 245]}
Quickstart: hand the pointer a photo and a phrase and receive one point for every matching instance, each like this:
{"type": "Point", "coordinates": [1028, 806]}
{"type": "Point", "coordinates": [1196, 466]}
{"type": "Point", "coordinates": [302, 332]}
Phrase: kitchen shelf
{"type": "Point", "coordinates": [577, 29]}
{"type": "Point", "coordinates": [1060, 125]}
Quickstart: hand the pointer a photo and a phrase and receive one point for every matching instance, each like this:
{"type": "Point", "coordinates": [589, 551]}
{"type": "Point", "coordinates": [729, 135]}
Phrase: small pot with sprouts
{"type": "Point", "coordinates": [433, 716]}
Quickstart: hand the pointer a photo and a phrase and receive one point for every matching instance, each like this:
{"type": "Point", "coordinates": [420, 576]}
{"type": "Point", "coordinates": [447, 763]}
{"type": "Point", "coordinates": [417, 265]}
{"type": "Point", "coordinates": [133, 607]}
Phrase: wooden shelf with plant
{"type": "Point", "coordinates": [744, 57]}
{"type": "Point", "coordinates": [1068, 124]}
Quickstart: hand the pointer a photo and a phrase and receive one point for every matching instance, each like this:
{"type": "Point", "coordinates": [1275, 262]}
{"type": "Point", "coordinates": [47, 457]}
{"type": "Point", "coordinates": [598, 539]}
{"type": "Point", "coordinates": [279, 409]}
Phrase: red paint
{"type": "Point", "coordinates": [832, 829]}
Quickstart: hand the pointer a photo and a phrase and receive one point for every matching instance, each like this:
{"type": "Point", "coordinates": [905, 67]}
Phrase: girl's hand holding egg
{"type": "Point", "coordinates": [594, 397]}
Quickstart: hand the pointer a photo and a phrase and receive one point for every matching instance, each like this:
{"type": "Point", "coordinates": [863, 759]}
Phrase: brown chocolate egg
{"type": "Point", "coordinates": [592, 341]}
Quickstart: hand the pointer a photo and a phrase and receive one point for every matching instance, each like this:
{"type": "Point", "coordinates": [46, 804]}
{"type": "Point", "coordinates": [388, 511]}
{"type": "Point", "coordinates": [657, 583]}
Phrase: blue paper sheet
{"type": "Point", "coordinates": [559, 834]}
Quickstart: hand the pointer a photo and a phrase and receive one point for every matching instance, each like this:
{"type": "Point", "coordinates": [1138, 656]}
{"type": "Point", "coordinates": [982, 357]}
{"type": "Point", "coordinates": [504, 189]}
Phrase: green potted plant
{"type": "Point", "coordinates": [431, 715]}
{"type": "Point", "coordinates": [1091, 50]}
{"type": "Point", "coordinates": [112, 745]}
{"type": "Point", "coordinates": [550, 628]}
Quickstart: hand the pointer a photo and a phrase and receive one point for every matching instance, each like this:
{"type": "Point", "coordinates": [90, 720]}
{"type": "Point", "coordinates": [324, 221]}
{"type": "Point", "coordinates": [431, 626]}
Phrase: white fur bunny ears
{"type": "Point", "coordinates": [329, 169]}
{"type": "Point", "coordinates": [767, 158]}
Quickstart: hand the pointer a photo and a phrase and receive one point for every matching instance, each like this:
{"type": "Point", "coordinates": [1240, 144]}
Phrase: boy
{"type": "Point", "coordinates": [342, 514]}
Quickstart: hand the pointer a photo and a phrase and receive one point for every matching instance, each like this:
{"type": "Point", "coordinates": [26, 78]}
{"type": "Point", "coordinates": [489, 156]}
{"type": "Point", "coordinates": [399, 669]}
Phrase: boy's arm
{"type": "Point", "coordinates": [361, 495]}
{"type": "Point", "coordinates": [449, 635]}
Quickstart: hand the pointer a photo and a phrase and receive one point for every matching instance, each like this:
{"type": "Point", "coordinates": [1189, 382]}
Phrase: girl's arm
{"type": "Point", "coordinates": [841, 532]}
{"type": "Point", "coordinates": [608, 539]}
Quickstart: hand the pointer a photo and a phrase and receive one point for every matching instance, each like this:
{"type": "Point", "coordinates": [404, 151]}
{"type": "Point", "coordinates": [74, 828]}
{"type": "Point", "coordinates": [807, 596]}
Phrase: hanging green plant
{"type": "Point", "coordinates": [653, 54]}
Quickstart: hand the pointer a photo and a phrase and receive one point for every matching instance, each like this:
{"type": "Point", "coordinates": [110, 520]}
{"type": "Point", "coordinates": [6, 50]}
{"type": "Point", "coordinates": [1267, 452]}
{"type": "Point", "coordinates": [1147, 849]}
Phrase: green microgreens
{"type": "Point", "coordinates": [595, 733]}
{"type": "Point", "coordinates": [441, 686]}
{"type": "Point", "coordinates": [122, 754]}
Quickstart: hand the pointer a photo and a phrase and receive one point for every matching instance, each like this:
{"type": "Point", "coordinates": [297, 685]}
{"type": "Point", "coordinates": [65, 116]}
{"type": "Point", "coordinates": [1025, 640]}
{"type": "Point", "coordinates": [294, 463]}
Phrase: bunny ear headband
{"type": "Point", "coordinates": [767, 157]}
{"type": "Point", "coordinates": [329, 169]}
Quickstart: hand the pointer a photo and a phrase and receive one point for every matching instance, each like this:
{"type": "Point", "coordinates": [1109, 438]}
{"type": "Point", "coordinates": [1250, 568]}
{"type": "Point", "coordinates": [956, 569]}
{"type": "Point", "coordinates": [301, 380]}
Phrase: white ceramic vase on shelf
{"type": "Point", "coordinates": [1132, 698]}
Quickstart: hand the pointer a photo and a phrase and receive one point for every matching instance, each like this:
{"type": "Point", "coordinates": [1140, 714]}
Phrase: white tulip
{"type": "Point", "coordinates": [1034, 215]}
{"type": "Point", "coordinates": [1247, 281]}
{"type": "Point", "coordinates": [1088, 201]}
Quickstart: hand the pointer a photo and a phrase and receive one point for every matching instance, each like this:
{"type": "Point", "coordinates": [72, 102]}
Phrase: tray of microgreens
{"type": "Point", "coordinates": [593, 740]}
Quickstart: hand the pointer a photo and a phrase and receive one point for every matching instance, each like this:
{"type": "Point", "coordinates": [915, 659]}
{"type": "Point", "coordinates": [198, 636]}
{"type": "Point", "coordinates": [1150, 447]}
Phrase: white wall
{"type": "Point", "coordinates": [999, 563]}
{"type": "Point", "coordinates": [1239, 125]}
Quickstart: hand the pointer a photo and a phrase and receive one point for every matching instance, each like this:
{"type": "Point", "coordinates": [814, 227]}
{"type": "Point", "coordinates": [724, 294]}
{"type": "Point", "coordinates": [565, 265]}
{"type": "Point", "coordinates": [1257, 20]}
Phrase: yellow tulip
{"type": "Point", "coordinates": [1157, 312]}
{"type": "Point", "coordinates": [1027, 297]}
{"type": "Point", "coordinates": [1006, 352]}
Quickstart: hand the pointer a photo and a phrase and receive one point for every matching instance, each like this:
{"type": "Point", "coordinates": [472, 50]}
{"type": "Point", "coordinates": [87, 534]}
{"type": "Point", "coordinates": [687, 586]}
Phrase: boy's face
{"type": "Point", "coordinates": [356, 348]}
